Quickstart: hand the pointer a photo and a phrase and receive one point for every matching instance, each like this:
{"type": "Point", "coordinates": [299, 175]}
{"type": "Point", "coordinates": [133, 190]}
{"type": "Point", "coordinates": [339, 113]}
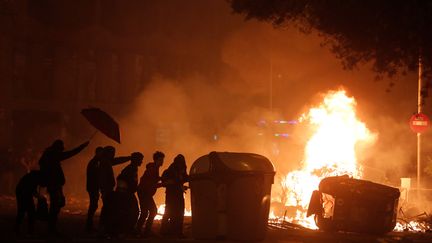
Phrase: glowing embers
{"type": "Point", "coordinates": [414, 226]}
{"type": "Point", "coordinates": [418, 223]}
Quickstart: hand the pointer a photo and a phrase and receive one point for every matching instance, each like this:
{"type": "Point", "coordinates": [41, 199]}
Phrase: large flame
{"type": "Point", "coordinates": [331, 150]}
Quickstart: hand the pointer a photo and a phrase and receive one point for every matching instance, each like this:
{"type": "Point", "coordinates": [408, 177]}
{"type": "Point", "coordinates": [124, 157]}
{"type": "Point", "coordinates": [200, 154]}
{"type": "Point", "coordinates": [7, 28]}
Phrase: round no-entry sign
{"type": "Point", "coordinates": [419, 123]}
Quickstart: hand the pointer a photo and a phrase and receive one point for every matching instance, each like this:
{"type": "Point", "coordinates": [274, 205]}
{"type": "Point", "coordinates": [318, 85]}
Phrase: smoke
{"type": "Point", "coordinates": [193, 118]}
{"type": "Point", "coordinates": [210, 84]}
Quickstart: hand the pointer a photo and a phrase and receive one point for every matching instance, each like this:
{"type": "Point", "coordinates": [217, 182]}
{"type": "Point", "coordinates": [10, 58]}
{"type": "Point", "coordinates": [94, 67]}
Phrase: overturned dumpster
{"type": "Point", "coordinates": [346, 204]}
{"type": "Point", "coordinates": [230, 196]}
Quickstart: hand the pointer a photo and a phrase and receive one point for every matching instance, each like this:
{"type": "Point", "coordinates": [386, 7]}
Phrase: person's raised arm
{"type": "Point", "coordinates": [67, 154]}
{"type": "Point", "coordinates": [120, 160]}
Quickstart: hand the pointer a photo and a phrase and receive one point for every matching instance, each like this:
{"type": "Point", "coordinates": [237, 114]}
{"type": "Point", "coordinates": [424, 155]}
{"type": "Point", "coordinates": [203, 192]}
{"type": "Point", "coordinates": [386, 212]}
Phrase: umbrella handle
{"type": "Point", "coordinates": [94, 134]}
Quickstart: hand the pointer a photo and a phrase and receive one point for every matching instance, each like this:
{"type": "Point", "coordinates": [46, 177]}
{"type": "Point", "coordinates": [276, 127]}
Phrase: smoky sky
{"type": "Point", "coordinates": [211, 73]}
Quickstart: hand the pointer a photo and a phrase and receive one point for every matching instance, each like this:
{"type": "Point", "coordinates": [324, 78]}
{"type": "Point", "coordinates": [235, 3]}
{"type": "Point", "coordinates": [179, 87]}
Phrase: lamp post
{"type": "Point", "coordinates": [419, 110]}
{"type": "Point", "coordinates": [271, 87]}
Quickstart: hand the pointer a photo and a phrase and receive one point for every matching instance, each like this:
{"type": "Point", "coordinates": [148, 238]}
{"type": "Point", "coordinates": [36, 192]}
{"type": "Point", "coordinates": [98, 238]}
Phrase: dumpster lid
{"type": "Point", "coordinates": [241, 162]}
{"type": "Point", "coordinates": [347, 186]}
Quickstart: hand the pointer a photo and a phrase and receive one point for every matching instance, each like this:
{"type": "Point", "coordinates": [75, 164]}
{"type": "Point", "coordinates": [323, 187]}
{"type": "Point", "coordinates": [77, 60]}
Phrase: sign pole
{"type": "Point", "coordinates": [419, 110]}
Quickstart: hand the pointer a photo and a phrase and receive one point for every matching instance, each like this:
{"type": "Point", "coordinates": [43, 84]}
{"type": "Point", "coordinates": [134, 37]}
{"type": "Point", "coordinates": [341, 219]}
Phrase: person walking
{"type": "Point", "coordinates": [92, 187]}
{"type": "Point", "coordinates": [173, 179]}
{"type": "Point", "coordinates": [149, 182]}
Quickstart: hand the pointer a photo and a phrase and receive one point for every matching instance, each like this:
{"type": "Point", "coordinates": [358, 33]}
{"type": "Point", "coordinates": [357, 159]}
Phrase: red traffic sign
{"type": "Point", "coordinates": [419, 123]}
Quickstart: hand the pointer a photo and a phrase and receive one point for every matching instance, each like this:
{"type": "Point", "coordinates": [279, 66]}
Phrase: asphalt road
{"type": "Point", "coordinates": [72, 218]}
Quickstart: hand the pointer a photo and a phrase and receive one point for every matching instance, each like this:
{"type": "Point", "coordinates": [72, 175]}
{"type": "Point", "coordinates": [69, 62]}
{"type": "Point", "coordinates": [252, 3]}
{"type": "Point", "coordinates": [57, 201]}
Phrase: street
{"type": "Point", "coordinates": [72, 218]}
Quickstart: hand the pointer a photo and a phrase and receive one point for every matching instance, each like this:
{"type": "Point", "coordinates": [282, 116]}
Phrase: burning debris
{"type": "Point", "coordinates": [346, 204]}
{"type": "Point", "coordinates": [418, 223]}
{"type": "Point", "coordinates": [330, 151]}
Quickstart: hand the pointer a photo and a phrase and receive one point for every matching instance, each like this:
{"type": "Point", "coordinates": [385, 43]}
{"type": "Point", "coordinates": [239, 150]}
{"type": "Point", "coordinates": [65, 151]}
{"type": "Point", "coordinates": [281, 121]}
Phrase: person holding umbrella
{"type": "Point", "coordinates": [53, 177]}
{"type": "Point", "coordinates": [105, 124]}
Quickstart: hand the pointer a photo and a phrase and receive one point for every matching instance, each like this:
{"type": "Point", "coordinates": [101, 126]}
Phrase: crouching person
{"type": "Point", "coordinates": [26, 191]}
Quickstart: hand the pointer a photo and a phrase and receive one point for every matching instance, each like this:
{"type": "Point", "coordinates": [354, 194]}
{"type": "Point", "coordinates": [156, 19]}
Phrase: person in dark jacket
{"type": "Point", "coordinates": [129, 174]}
{"type": "Point", "coordinates": [173, 179]}
{"type": "Point", "coordinates": [26, 190]}
{"type": "Point", "coordinates": [106, 172]}
{"type": "Point", "coordinates": [92, 186]}
{"type": "Point", "coordinates": [148, 184]}
{"type": "Point", "coordinates": [53, 177]}
{"type": "Point", "coordinates": [106, 175]}
{"type": "Point", "coordinates": [121, 212]}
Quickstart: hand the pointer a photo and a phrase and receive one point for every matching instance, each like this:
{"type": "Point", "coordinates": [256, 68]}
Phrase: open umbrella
{"type": "Point", "coordinates": [103, 122]}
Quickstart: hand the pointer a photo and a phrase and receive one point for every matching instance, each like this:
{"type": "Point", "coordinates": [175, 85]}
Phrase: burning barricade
{"type": "Point", "coordinates": [346, 204]}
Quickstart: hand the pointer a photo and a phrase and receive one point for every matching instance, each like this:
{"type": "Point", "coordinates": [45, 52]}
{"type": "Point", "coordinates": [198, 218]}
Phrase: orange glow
{"type": "Point", "coordinates": [330, 151]}
{"type": "Point", "coordinates": [161, 211]}
{"type": "Point", "coordinates": [412, 226]}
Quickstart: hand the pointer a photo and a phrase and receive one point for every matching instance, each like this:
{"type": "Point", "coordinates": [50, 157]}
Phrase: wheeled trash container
{"type": "Point", "coordinates": [230, 196]}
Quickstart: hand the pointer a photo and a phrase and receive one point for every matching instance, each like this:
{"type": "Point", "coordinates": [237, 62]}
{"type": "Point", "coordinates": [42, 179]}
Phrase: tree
{"type": "Point", "coordinates": [391, 34]}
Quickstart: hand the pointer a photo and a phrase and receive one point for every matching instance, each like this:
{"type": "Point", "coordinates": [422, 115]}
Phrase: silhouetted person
{"type": "Point", "coordinates": [115, 215]}
{"type": "Point", "coordinates": [146, 190]}
{"type": "Point", "coordinates": [129, 175]}
{"type": "Point", "coordinates": [26, 190]}
{"type": "Point", "coordinates": [173, 179]}
{"type": "Point", "coordinates": [121, 206]}
{"type": "Point", "coordinates": [106, 174]}
{"type": "Point", "coordinates": [53, 177]}
{"type": "Point", "coordinates": [92, 186]}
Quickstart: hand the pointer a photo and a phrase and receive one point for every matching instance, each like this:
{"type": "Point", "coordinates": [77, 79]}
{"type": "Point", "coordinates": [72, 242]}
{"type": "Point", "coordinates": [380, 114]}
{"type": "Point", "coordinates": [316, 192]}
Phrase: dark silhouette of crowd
{"type": "Point", "coordinates": [122, 213]}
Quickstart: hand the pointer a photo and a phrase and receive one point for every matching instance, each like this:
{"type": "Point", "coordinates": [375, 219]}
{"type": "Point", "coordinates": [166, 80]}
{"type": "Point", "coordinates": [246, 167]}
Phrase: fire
{"type": "Point", "coordinates": [330, 151]}
{"type": "Point", "coordinates": [161, 211]}
{"type": "Point", "coordinates": [413, 226]}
